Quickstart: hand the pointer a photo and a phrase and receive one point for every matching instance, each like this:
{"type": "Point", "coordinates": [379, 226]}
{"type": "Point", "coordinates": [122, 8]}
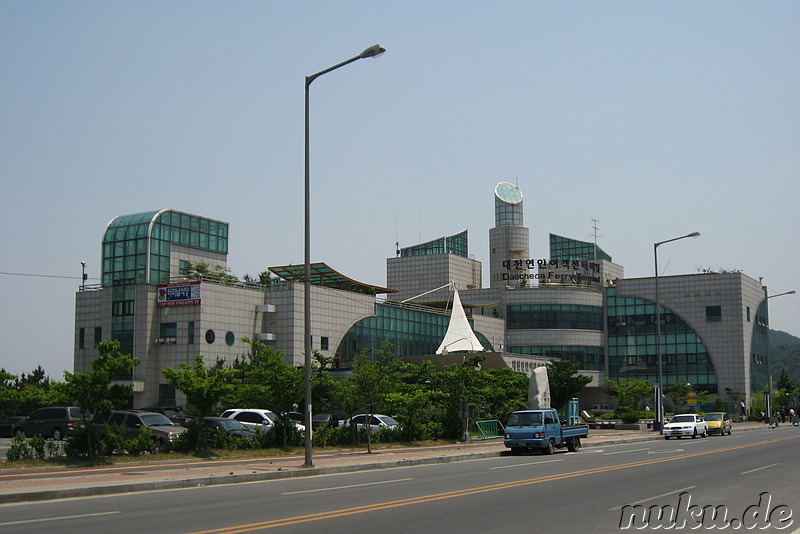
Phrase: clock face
{"type": "Point", "coordinates": [509, 193]}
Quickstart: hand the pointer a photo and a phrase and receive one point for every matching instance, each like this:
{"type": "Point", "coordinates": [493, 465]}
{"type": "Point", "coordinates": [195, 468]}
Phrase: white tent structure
{"type": "Point", "coordinates": [459, 336]}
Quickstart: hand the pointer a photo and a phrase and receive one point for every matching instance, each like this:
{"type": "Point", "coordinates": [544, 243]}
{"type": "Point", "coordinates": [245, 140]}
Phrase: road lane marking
{"type": "Point", "coordinates": [758, 469]}
{"type": "Point", "coordinates": [625, 452]}
{"type": "Point", "coordinates": [521, 465]}
{"type": "Point", "coordinates": [62, 518]}
{"type": "Point", "coordinates": [386, 505]}
{"type": "Point", "coordinates": [347, 487]}
{"type": "Point", "coordinates": [668, 451]}
{"type": "Point", "coordinates": [651, 498]}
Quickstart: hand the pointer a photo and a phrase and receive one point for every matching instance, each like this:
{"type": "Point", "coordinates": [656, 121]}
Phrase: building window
{"type": "Point", "coordinates": [82, 338]}
{"type": "Point", "coordinates": [713, 313]}
{"type": "Point", "coordinates": [168, 330]}
{"type": "Point", "coordinates": [323, 343]}
{"type": "Point", "coordinates": [190, 339]}
{"type": "Point", "coordinates": [748, 314]}
{"type": "Point", "coordinates": [184, 266]}
{"type": "Point", "coordinates": [210, 336]}
{"type": "Point", "coordinates": [229, 339]}
{"type": "Point", "coordinates": [98, 334]}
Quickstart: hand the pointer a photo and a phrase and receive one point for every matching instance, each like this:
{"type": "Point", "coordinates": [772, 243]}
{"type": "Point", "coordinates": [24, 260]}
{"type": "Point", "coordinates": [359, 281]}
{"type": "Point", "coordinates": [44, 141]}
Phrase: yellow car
{"type": "Point", "coordinates": [718, 423]}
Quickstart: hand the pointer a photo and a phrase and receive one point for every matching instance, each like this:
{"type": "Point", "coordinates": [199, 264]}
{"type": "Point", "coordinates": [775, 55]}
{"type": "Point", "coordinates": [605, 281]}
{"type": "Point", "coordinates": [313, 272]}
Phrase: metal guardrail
{"type": "Point", "coordinates": [489, 429]}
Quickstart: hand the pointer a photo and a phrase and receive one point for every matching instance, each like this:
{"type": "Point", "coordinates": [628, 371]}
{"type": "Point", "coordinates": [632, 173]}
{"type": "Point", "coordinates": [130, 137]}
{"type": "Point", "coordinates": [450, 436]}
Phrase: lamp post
{"type": "Point", "coordinates": [768, 399]}
{"type": "Point", "coordinates": [83, 276]}
{"type": "Point", "coordinates": [659, 422]}
{"type": "Point", "coordinates": [372, 51]}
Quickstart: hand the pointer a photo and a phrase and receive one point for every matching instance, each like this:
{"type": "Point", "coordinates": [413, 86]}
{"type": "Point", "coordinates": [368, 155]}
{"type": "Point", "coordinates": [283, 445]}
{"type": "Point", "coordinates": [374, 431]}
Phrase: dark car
{"type": "Point", "coordinates": [54, 422]}
{"type": "Point", "coordinates": [8, 423]}
{"type": "Point", "coordinates": [175, 413]}
{"type": "Point", "coordinates": [231, 427]}
{"type": "Point", "coordinates": [162, 429]}
{"type": "Point", "coordinates": [322, 419]}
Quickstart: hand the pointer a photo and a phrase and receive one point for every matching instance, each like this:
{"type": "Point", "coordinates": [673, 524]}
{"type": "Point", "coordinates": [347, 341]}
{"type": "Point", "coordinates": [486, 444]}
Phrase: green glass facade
{"type": "Point", "coordinates": [136, 250]}
{"type": "Point", "coordinates": [410, 331]}
{"type": "Point", "coordinates": [633, 352]}
{"type": "Point", "coordinates": [453, 244]}
{"type": "Point", "coordinates": [759, 363]}
{"type": "Point", "coordinates": [589, 358]}
{"type": "Point", "coordinates": [562, 249]}
{"type": "Point", "coordinates": [554, 316]}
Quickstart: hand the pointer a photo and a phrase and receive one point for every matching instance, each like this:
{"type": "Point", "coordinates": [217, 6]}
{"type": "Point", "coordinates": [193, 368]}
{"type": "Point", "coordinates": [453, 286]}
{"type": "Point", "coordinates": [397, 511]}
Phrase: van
{"type": "Point", "coordinates": [55, 422]}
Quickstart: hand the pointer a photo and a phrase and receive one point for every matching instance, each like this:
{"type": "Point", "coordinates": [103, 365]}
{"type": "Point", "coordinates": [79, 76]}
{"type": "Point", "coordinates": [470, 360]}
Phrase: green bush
{"type": "Point", "coordinates": [19, 449]}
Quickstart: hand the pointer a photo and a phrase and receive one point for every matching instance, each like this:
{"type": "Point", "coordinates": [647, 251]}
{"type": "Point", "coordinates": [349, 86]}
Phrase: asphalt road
{"type": "Point", "coordinates": [754, 475]}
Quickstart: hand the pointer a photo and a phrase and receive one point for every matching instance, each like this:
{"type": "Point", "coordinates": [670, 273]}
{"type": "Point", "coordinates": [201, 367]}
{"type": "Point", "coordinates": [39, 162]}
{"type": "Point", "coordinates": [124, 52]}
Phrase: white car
{"type": "Point", "coordinates": [377, 421]}
{"type": "Point", "coordinates": [254, 417]}
{"type": "Point", "coordinates": [686, 424]}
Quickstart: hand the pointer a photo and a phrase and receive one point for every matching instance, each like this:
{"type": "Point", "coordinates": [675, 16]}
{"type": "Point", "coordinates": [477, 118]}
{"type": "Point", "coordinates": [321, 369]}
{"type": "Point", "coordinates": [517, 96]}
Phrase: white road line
{"type": "Point", "coordinates": [529, 463]}
{"type": "Point", "coordinates": [758, 469]}
{"type": "Point", "coordinates": [651, 498]}
{"type": "Point", "coordinates": [668, 451]}
{"type": "Point", "coordinates": [62, 518]}
{"type": "Point", "coordinates": [346, 487]}
{"type": "Point", "coordinates": [623, 452]}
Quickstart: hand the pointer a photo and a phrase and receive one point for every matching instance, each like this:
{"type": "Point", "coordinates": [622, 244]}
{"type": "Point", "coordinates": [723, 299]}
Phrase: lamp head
{"type": "Point", "coordinates": [373, 51]}
{"type": "Point", "coordinates": [694, 234]}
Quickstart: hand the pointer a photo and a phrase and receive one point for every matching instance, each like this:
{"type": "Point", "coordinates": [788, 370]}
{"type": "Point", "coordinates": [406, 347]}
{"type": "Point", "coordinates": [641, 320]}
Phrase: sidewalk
{"type": "Point", "coordinates": [38, 484]}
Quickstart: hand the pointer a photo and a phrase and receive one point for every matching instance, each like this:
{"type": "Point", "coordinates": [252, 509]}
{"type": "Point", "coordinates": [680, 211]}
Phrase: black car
{"type": "Point", "coordinates": [175, 413]}
{"type": "Point", "coordinates": [322, 419]}
{"type": "Point", "coordinates": [8, 423]}
{"type": "Point", "coordinates": [231, 427]}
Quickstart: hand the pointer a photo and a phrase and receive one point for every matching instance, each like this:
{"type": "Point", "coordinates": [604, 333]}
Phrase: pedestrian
{"type": "Point", "coordinates": [743, 408]}
{"type": "Point", "coordinates": [794, 418]}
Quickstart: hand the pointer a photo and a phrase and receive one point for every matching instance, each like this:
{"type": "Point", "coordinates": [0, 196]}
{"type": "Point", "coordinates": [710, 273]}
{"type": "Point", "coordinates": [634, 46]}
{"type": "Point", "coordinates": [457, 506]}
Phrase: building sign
{"type": "Point", "coordinates": [554, 271]}
{"type": "Point", "coordinates": [179, 294]}
{"type": "Point", "coordinates": [518, 265]}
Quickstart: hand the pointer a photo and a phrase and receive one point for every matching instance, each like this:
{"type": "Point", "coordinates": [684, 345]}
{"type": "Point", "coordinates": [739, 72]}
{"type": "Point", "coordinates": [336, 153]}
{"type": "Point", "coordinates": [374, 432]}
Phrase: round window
{"type": "Point", "coordinates": [230, 338]}
{"type": "Point", "coordinates": [210, 336]}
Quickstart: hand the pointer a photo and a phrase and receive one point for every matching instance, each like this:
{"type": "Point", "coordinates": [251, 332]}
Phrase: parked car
{"type": "Point", "coordinates": [377, 421]}
{"type": "Point", "coordinates": [55, 422]}
{"type": "Point", "coordinates": [323, 419]}
{"type": "Point", "coordinates": [8, 423]}
{"type": "Point", "coordinates": [232, 427]}
{"type": "Point", "coordinates": [163, 430]}
{"type": "Point", "coordinates": [175, 413]}
{"type": "Point", "coordinates": [687, 424]}
{"type": "Point", "coordinates": [252, 417]}
{"type": "Point", "coordinates": [718, 423]}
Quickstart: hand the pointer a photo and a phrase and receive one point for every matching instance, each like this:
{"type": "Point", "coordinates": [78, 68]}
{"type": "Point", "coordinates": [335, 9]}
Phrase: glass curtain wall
{"type": "Point", "coordinates": [632, 349]}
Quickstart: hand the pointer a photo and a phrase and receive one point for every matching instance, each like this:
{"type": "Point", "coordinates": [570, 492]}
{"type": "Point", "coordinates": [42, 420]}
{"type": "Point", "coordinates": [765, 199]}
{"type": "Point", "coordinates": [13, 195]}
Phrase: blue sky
{"type": "Point", "coordinates": [654, 118]}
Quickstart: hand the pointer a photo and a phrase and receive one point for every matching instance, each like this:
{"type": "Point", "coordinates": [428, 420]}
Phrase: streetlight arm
{"type": "Point", "coordinates": [693, 234]}
{"type": "Point", "coordinates": [372, 51]}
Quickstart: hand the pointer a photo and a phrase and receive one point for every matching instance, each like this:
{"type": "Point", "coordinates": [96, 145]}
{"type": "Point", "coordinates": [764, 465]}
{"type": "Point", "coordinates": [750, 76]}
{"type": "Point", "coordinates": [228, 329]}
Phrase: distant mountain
{"type": "Point", "coordinates": [776, 337]}
{"type": "Point", "coordinates": [784, 352]}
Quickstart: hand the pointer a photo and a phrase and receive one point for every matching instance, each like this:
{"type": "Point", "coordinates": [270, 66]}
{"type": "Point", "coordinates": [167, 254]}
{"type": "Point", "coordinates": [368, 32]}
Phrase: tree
{"type": "Point", "coordinates": [564, 381]}
{"type": "Point", "coordinates": [202, 386]}
{"type": "Point", "coordinates": [628, 392]}
{"type": "Point", "coordinates": [265, 380]}
{"type": "Point", "coordinates": [94, 391]}
{"type": "Point", "coordinates": [371, 383]}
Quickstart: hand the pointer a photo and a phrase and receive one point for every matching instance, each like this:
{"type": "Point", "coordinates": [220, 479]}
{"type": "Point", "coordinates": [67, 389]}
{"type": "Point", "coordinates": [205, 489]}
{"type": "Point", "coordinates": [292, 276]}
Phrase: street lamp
{"type": "Point", "coordinates": [657, 425]}
{"type": "Point", "coordinates": [768, 399]}
{"type": "Point", "coordinates": [372, 51]}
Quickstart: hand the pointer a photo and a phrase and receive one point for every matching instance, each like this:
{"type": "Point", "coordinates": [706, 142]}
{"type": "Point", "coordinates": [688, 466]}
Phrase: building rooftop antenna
{"type": "Point", "coordinates": [594, 226]}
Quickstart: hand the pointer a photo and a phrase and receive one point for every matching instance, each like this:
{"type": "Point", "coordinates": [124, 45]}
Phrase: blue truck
{"type": "Point", "coordinates": [542, 430]}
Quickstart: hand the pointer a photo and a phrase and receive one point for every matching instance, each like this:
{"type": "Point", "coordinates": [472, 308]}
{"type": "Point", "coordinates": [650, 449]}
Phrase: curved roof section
{"type": "Point", "coordinates": [322, 275]}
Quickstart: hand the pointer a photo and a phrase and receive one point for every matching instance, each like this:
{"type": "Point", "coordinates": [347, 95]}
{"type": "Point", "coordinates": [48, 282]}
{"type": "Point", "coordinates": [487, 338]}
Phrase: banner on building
{"type": "Point", "coordinates": [179, 294]}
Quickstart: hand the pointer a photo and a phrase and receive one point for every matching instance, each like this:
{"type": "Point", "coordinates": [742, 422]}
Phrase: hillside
{"type": "Point", "coordinates": [784, 350]}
